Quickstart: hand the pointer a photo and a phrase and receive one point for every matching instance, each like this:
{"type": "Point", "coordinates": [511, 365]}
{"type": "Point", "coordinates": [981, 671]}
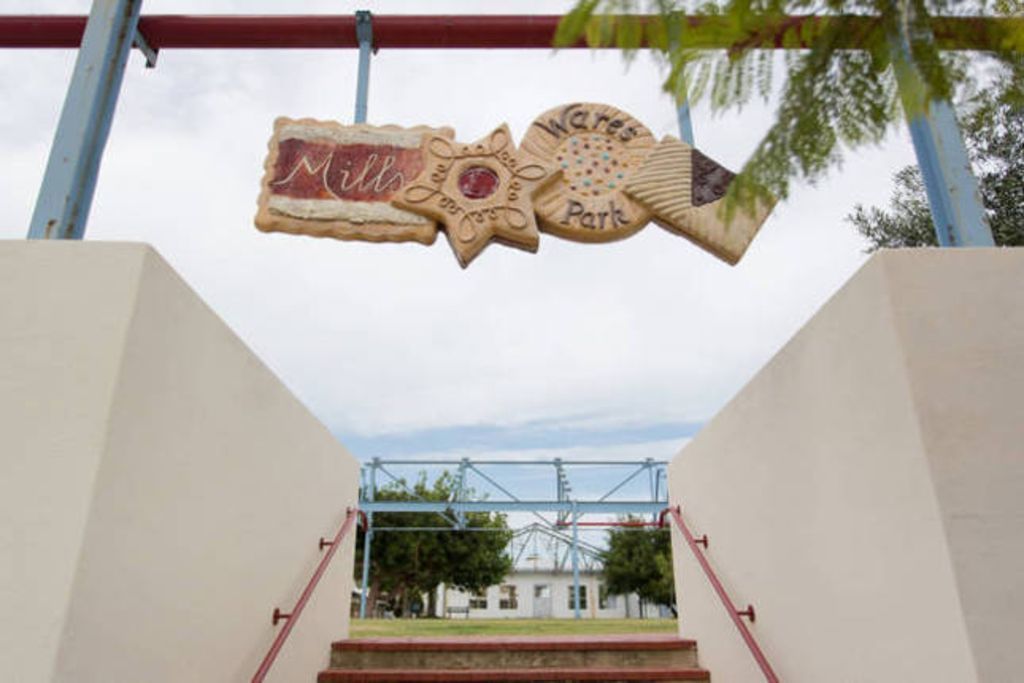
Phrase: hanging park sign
{"type": "Point", "coordinates": [584, 172]}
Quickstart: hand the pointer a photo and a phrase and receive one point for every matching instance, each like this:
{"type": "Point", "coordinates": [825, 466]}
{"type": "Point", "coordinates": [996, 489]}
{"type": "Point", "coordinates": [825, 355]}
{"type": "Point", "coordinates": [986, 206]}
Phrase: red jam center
{"type": "Point", "coordinates": [478, 182]}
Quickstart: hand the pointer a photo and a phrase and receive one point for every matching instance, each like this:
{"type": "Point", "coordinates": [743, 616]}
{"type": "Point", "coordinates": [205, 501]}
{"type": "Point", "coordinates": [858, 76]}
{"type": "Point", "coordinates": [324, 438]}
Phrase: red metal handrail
{"type": "Point", "coordinates": [730, 606]}
{"type": "Point", "coordinates": [275, 648]}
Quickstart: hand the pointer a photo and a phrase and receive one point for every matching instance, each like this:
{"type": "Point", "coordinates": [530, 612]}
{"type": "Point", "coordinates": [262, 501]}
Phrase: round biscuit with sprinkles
{"type": "Point", "coordinates": [597, 148]}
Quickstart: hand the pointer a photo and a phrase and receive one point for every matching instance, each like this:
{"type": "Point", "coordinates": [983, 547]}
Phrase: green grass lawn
{"type": "Point", "coordinates": [377, 628]}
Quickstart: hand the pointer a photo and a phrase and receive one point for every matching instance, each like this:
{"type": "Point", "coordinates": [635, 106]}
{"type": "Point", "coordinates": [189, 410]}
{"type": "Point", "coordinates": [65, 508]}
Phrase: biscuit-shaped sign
{"type": "Point", "coordinates": [684, 191]}
{"type": "Point", "coordinates": [480, 191]}
{"type": "Point", "coordinates": [586, 172]}
{"type": "Point", "coordinates": [598, 148]}
{"type": "Point", "coordinates": [330, 180]}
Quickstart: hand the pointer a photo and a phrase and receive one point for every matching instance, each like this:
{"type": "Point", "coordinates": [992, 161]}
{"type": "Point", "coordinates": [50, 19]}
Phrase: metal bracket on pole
{"type": "Point", "coordinates": [561, 486]}
{"type": "Point", "coordinates": [69, 183]}
{"type": "Point", "coordinates": [147, 50]}
{"type": "Point", "coordinates": [952, 190]}
{"type": "Point", "coordinates": [364, 34]}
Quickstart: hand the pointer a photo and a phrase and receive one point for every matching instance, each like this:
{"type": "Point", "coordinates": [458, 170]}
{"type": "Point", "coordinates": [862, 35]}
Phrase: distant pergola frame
{"type": "Point", "coordinates": [568, 508]}
{"type": "Point", "coordinates": [106, 36]}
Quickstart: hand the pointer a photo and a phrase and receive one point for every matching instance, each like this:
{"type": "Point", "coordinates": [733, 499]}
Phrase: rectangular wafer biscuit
{"type": "Point", "coordinates": [683, 189]}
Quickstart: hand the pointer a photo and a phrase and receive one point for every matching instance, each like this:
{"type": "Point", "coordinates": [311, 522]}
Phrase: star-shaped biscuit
{"type": "Point", "coordinates": [479, 192]}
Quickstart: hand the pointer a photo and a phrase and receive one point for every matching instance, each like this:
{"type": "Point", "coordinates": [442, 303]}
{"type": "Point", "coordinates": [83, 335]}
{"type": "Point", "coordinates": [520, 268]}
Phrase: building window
{"type": "Point", "coordinates": [508, 599]}
{"type": "Point", "coordinates": [583, 598]}
{"type": "Point", "coordinates": [478, 600]}
{"type": "Point", "coordinates": [602, 597]}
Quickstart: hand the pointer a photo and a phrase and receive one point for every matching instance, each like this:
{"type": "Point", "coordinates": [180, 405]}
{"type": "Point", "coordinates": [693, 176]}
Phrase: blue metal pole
{"type": "Point", "coordinates": [952, 190]}
{"type": "Point", "coordinates": [364, 34]}
{"type": "Point", "coordinates": [560, 486]}
{"type": "Point", "coordinates": [685, 124]}
{"type": "Point", "coordinates": [575, 563]}
{"type": "Point", "coordinates": [652, 475]}
{"type": "Point", "coordinates": [69, 183]}
{"type": "Point", "coordinates": [368, 537]}
{"type": "Point", "coordinates": [682, 100]}
{"type": "Point", "coordinates": [460, 490]}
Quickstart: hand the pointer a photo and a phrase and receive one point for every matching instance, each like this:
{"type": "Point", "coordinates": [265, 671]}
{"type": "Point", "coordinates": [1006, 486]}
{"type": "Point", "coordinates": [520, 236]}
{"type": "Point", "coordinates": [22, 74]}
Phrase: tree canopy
{"type": "Point", "coordinates": [406, 564]}
{"type": "Point", "coordinates": [639, 560]}
{"type": "Point", "coordinates": [833, 97]}
{"type": "Point", "coordinates": [993, 126]}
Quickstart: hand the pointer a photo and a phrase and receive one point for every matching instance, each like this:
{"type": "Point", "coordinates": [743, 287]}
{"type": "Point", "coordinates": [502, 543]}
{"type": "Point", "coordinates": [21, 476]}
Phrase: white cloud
{"type": "Point", "coordinates": [385, 338]}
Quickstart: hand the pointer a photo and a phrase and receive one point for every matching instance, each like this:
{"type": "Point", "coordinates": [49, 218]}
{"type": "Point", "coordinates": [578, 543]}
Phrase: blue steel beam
{"type": "Point", "coordinates": [458, 493]}
{"type": "Point", "coordinates": [583, 507]}
{"type": "Point", "coordinates": [555, 461]}
{"type": "Point", "coordinates": [576, 562]}
{"type": "Point", "coordinates": [492, 482]}
{"type": "Point", "coordinates": [957, 212]}
{"type": "Point", "coordinates": [379, 465]}
{"type": "Point", "coordinates": [642, 468]}
{"type": "Point", "coordinates": [504, 490]}
{"type": "Point", "coordinates": [369, 494]}
{"type": "Point", "coordinates": [556, 535]}
{"type": "Point", "coordinates": [522, 547]}
{"type": "Point", "coordinates": [69, 183]}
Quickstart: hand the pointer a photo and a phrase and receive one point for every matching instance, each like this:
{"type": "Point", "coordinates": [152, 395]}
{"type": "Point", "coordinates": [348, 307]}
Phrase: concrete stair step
{"type": "Point", "coordinates": [515, 652]}
{"type": "Point", "coordinates": [538, 675]}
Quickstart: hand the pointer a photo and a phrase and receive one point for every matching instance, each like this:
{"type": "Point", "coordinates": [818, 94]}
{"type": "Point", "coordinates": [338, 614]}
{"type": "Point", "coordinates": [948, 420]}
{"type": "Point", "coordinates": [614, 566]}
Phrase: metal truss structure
{"type": "Point", "coordinates": [530, 541]}
{"type": "Point", "coordinates": [647, 476]}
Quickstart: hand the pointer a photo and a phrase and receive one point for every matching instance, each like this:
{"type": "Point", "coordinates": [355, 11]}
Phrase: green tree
{"type": "Point", "coordinates": [406, 564]}
{"type": "Point", "coordinates": [833, 98]}
{"type": "Point", "coordinates": [993, 126]}
{"type": "Point", "coordinates": [639, 560]}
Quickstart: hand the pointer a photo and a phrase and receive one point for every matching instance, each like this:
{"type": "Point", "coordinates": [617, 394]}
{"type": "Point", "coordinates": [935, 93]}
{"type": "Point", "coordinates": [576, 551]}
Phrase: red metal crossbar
{"type": "Point", "coordinates": [611, 524]}
{"type": "Point", "coordinates": [730, 607]}
{"type": "Point", "coordinates": [290, 618]}
{"type": "Point", "coordinates": [467, 31]}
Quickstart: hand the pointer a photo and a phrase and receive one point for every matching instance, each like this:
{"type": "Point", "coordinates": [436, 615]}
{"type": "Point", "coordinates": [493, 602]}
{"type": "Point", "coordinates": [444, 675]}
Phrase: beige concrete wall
{"type": "Point", "coordinates": [57, 382]}
{"type": "Point", "coordinates": [968, 390]}
{"type": "Point", "coordinates": [166, 490]}
{"type": "Point", "coordinates": [862, 491]}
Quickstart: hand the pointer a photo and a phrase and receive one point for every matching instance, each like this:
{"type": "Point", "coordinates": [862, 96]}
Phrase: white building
{"type": "Point", "coordinates": [544, 593]}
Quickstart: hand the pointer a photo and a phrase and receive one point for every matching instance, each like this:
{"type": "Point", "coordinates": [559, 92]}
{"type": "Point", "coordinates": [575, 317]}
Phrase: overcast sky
{"type": "Point", "coordinates": [615, 350]}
